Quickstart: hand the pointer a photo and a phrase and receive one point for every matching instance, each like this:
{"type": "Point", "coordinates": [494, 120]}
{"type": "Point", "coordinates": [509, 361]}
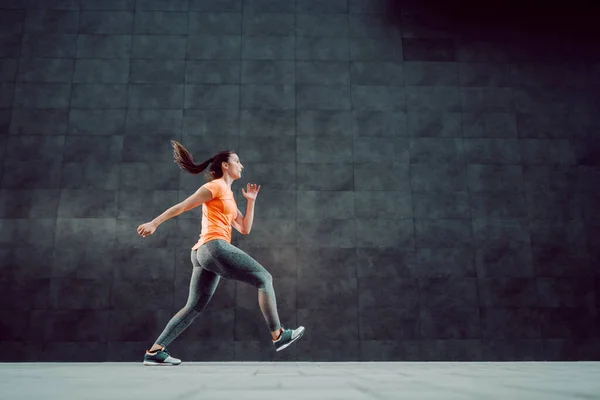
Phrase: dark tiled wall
{"type": "Point", "coordinates": [430, 178]}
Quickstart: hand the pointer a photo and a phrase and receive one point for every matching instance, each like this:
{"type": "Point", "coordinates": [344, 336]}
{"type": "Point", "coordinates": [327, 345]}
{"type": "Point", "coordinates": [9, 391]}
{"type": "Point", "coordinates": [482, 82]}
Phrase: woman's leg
{"type": "Point", "coordinates": [233, 263]}
{"type": "Point", "coordinates": [202, 287]}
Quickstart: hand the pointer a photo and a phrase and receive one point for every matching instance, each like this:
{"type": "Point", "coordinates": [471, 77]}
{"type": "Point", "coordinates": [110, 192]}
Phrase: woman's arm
{"type": "Point", "coordinates": [201, 195]}
{"type": "Point", "coordinates": [241, 223]}
{"type": "Point", "coordinates": [244, 224]}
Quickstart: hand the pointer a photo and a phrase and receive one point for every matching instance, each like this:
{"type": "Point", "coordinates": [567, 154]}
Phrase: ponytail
{"type": "Point", "coordinates": [184, 159]}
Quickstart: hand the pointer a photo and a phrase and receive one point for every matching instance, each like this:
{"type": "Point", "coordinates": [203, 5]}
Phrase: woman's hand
{"type": "Point", "coordinates": [146, 229]}
{"type": "Point", "coordinates": [251, 192]}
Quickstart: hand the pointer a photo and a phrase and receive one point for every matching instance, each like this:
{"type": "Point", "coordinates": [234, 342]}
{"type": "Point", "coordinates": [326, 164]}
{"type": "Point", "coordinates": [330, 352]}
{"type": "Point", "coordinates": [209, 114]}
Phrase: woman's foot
{"type": "Point", "coordinates": [160, 357]}
{"type": "Point", "coordinates": [287, 337]}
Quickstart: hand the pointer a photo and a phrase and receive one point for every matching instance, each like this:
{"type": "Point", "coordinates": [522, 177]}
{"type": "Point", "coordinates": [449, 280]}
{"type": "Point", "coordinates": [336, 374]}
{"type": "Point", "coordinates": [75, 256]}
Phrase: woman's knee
{"type": "Point", "coordinates": [266, 281]}
{"type": "Point", "coordinates": [201, 303]}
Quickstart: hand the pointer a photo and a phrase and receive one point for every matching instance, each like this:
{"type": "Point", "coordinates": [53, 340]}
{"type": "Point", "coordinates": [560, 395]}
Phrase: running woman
{"type": "Point", "coordinates": [213, 256]}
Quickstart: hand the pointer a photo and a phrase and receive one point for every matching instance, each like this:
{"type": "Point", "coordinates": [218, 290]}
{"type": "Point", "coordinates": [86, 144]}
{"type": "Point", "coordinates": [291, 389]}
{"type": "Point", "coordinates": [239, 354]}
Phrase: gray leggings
{"type": "Point", "coordinates": [213, 260]}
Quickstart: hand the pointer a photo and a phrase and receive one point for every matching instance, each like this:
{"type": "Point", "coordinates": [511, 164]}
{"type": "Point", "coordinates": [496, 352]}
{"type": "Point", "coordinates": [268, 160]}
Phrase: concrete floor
{"type": "Point", "coordinates": [306, 381]}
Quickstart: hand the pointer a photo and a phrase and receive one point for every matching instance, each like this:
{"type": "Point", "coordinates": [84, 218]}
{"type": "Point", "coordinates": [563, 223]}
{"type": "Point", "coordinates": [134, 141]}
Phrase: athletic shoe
{"type": "Point", "coordinates": [160, 357]}
{"type": "Point", "coordinates": [287, 337]}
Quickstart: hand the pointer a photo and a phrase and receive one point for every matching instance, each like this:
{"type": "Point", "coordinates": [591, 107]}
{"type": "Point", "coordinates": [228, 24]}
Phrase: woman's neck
{"type": "Point", "coordinates": [228, 180]}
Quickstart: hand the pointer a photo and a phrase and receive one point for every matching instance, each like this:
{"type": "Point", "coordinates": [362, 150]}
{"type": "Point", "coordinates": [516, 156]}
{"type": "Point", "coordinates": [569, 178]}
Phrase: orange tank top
{"type": "Point", "coordinates": [217, 214]}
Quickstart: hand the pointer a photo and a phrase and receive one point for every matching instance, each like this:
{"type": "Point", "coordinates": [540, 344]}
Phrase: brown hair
{"type": "Point", "coordinates": [184, 159]}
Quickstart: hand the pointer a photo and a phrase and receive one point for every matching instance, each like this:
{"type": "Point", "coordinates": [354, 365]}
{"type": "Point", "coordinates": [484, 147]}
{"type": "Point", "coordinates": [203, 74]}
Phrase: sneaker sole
{"type": "Point", "coordinates": [291, 341]}
{"type": "Point", "coordinates": [159, 364]}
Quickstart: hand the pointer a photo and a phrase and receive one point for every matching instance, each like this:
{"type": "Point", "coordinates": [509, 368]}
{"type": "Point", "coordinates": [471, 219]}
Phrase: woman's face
{"type": "Point", "coordinates": [235, 166]}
